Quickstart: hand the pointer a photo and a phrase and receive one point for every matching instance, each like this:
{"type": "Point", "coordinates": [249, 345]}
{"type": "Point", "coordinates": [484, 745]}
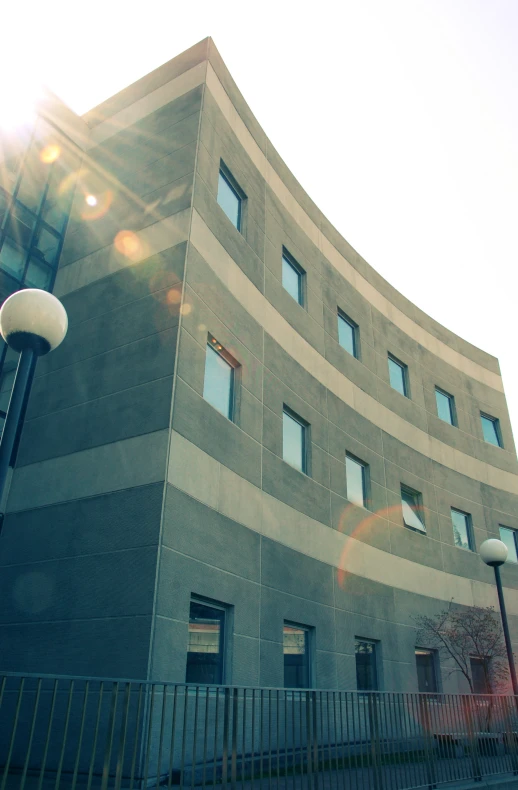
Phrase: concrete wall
{"type": "Point", "coordinates": [133, 493]}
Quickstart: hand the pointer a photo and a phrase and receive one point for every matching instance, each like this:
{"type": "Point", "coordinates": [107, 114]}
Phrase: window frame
{"type": "Point", "coordinates": [305, 439]}
{"type": "Point", "coordinates": [215, 346]}
{"type": "Point", "coordinates": [404, 370]}
{"type": "Point", "coordinates": [498, 431]}
{"type": "Point", "coordinates": [480, 660]}
{"type": "Point", "coordinates": [297, 268]}
{"type": "Point", "coordinates": [309, 645]}
{"type": "Point", "coordinates": [451, 404]}
{"type": "Point", "coordinates": [515, 538]}
{"type": "Point", "coordinates": [341, 316]}
{"type": "Point", "coordinates": [224, 642]}
{"type": "Point", "coordinates": [435, 668]}
{"type": "Point", "coordinates": [469, 529]}
{"type": "Point", "coordinates": [233, 185]}
{"type": "Point", "coordinates": [365, 479]}
{"type": "Point", "coordinates": [376, 663]}
{"type": "Point", "coordinates": [419, 505]}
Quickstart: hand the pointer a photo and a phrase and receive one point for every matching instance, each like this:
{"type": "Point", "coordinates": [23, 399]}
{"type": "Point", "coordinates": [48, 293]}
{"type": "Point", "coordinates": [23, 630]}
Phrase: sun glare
{"type": "Point", "coordinates": [91, 200]}
{"type": "Point", "coordinates": [19, 98]}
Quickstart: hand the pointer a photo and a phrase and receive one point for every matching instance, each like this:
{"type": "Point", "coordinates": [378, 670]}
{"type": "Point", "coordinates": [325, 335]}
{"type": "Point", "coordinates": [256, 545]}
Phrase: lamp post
{"type": "Point", "coordinates": [32, 322]}
{"type": "Point", "coordinates": [494, 553]}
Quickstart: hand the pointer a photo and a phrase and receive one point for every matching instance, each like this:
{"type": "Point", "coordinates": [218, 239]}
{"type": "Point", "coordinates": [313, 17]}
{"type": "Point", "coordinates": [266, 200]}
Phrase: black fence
{"type": "Point", "coordinates": [91, 733]}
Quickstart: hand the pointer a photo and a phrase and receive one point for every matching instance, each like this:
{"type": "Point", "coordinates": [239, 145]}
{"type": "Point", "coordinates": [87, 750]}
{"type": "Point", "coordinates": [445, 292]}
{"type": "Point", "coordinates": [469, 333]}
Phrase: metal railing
{"type": "Point", "coordinates": [65, 732]}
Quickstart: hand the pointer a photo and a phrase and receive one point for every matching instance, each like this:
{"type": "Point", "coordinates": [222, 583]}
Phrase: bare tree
{"type": "Point", "coordinates": [466, 633]}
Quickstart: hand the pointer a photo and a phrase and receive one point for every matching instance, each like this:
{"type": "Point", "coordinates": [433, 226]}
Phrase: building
{"type": "Point", "coordinates": [252, 460]}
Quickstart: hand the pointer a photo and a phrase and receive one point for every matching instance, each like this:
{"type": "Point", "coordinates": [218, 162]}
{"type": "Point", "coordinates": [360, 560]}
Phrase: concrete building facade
{"type": "Point", "coordinates": [222, 334]}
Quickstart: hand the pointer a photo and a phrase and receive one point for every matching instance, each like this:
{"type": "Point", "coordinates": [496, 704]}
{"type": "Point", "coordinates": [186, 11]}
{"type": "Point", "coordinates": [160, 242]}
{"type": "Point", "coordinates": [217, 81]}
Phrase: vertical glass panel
{"type": "Point", "coordinates": [12, 258]}
{"type": "Point", "coordinates": [444, 406]}
{"type": "Point", "coordinates": [478, 675]}
{"type": "Point", "coordinates": [397, 374]}
{"type": "Point", "coordinates": [293, 435]}
{"type": "Point", "coordinates": [426, 677]}
{"type": "Point", "coordinates": [347, 335]}
{"type": "Point", "coordinates": [38, 274]}
{"type": "Point", "coordinates": [218, 385]}
{"type": "Point", "coordinates": [291, 280]}
{"type": "Point", "coordinates": [508, 536]}
{"type": "Point", "coordinates": [412, 516]}
{"type": "Point", "coordinates": [355, 479]}
{"type": "Point", "coordinates": [296, 656]}
{"type": "Point", "coordinates": [229, 200]}
{"type": "Point", "coordinates": [20, 224]}
{"type": "Point", "coordinates": [46, 246]}
{"type": "Point", "coordinates": [34, 179]}
{"type": "Point", "coordinates": [366, 675]}
{"type": "Point", "coordinates": [461, 529]}
{"type": "Point", "coordinates": [490, 430]}
{"type": "Point", "coordinates": [205, 647]}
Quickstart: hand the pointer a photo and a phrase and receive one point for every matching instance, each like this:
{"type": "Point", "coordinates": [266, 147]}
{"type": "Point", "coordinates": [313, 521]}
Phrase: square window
{"type": "Point", "coordinates": [445, 406]}
{"type": "Point", "coordinates": [297, 657]}
{"type": "Point", "coordinates": [462, 531]}
{"type": "Point", "coordinates": [348, 334]}
{"type": "Point", "coordinates": [292, 278]}
{"type": "Point", "coordinates": [366, 665]}
{"type": "Point", "coordinates": [508, 536]}
{"type": "Point", "coordinates": [230, 198]}
{"type": "Point", "coordinates": [412, 509]}
{"type": "Point", "coordinates": [294, 440]}
{"type": "Point", "coordinates": [356, 480]}
{"type": "Point", "coordinates": [12, 258]}
{"type": "Point", "coordinates": [426, 671]}
{"type": "Point", "coordinates": [491, 430]}
{"type": "Point", "coordinates": [398, 374]}
{"type": "Point", "coordinates": [206, 645]}
{"type": "Point", "coordinates": [218, 387]}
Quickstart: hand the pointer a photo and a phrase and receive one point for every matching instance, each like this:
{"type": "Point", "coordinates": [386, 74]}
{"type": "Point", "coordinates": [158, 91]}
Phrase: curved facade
{"type": "Point", "coordinates": [223, 334]}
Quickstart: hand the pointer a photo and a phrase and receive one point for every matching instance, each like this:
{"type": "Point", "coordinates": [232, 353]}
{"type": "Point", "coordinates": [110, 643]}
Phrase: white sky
{"type": "Point", "coordinates": [398, 117]}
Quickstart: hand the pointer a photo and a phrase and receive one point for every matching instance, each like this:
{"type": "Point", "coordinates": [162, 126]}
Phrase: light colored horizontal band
{"type": "Point", "coordinates": [317, 366]}
{"type": "Point", "coordinates": [202, 477]}
{"type": "Point", "coordinates": [142, 244]}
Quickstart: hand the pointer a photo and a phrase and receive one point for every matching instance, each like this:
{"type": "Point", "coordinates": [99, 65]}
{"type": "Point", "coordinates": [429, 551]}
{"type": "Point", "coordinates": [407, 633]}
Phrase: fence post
{"type": "Point", "coordinates": [233, 769]}
{"type": "Point", "coordinates": [375, 740]}
{"type": "Point", "coordinates": [477, 774]}
{"type": "Point", "coordinates": [224, 765]}
{"type": "Point", "coordinates": [431, 774]}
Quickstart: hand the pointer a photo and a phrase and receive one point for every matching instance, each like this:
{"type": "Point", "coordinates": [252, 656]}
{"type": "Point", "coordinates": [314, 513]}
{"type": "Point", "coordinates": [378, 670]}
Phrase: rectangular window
{"type": "Point", "coordinates": [398, 374]}
{"type": "Point", "coordinates": [412, 509]}
{"type": "Point", "coordinates": [426, 675]}
{"type": "Point", "coordinates": [491, 430]}
{"type": "Point", "coordinates": [478, 676]}
{"type": "Point", "coordinates": [508, 536]}
{"type": "Point", "coordinates": [366, 669]}
{"type": "Point", "coordinates": [292, 278]}
{"type": "Point", "coordinates": [218, 387]}
{"type": "Point", "coordinates": [348, 334]}
{"type": "Point", "coordinates": [296, 648]}
{"type": "Point", "coordinates": [230, 198]}
{"type": "Point", "coordinates": [356, 480]}
{"type": "Point", "coordinates": [445, 406]}
{"type": "Point", "coordinates": [462, 531]}
{"type": "Point", "coordinates": [294, 440]}
{"type": "Point", "coordinates": [206, 647]}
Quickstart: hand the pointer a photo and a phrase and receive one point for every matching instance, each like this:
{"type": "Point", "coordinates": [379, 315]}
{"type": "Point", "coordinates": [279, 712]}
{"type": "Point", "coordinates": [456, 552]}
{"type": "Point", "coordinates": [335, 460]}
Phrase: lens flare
{"type": "Point", "coordinates": [128, 244]}
{"type": "Point", "coordinates": [50, 154]}
{"type": "Point", "coordinates": [96, 206]}
{"type": "Point", "coordinates": [91, 200]}
{"type": "Point", "coordinates": [185, 309]}
{"type": "Point", "coordinates": [174, 296]}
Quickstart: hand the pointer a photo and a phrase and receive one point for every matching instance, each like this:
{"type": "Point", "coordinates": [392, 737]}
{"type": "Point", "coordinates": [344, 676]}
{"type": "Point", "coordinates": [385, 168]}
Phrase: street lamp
{"type": "Point", "coordinates": [494, 553]}
{"type": "Point", "coordinates": [32, 322]}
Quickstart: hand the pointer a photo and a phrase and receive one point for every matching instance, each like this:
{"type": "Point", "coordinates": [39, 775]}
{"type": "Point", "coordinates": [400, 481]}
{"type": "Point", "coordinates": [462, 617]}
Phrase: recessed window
{"type": "Point", "coordinates": [398, 374]}
{"type": "Point", "coordinates": [445, 406]}
{"type": "Point", "coordinates": [297, 658]}
{"type": "Point", "coordinates": [491, 430]}
{"type": "Point", "coordinates": [462, 530]}
{"type": "Point", "coordinates": [230, 198]}
{"type": "Point", "coordinates": [206, 646]}
{"type": "Point", "coordinates": [294, 440]}
{"type": "Point", "coordinates": [218, 387]}
{"type": "Point", "coordinates": [426, 671]}
{"type": "Point", "coordinates": [412, 509]}
{"type": "Point", "coordinates": [356, 480]}
{"type": "Point", "coordinates": [478, 675]}
{"type": "Point", "coordinates": [292, 278]}
{"type": "Point", "coordinates": [509, 536]}
{"type": "Point", "coordinates": [348, 334]}
{"type": "Point", "coordinates": [366, 665]}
